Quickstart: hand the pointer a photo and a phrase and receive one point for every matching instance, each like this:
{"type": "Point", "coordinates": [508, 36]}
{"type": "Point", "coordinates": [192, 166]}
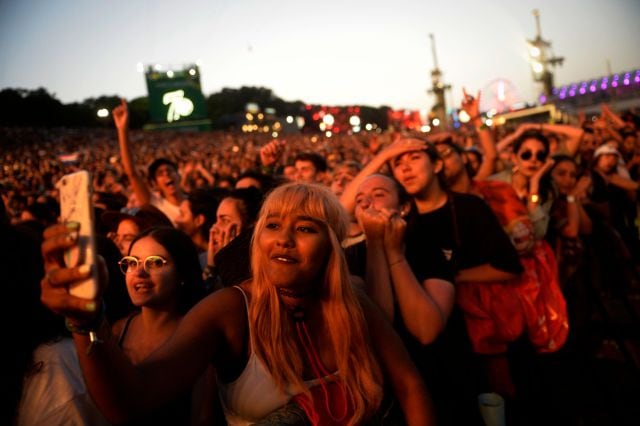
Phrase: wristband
{"type": "Point", "coordinates": [89, 328]}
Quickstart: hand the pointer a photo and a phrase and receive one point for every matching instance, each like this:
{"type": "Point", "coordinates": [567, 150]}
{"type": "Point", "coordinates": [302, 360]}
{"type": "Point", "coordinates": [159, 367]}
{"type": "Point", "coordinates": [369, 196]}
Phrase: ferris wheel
{"type": "Point", "coordinates": [500, 95]}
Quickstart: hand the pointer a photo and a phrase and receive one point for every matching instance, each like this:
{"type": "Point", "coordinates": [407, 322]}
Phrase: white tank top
{"type": "Point", "coordinates": [254, 394]}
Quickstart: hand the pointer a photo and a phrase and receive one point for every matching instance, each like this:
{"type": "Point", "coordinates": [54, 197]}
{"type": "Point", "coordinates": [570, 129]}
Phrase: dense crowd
{"type": "Point", "coordinates": [384, 278]}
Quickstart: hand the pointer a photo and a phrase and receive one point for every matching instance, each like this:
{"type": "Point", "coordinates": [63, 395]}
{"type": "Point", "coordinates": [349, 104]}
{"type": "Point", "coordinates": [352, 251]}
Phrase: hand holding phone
{"type": "Point", "coordinates": [75, 206]}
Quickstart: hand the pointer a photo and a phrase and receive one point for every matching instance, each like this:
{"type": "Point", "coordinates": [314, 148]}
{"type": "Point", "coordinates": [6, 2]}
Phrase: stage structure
{"type": "Point", "coordinates": [176, 101]}
{"type": "Point", "coordinates": [621, 91]}
{"type": "Point", "coordinates": [438, 89]}
{"type": "Point", "coordinates": [542, 58]}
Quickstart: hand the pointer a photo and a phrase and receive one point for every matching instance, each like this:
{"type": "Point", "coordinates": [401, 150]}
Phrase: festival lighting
{"type": "Point", "coordinates": [425, 128]}
{"type": "Point", "coordinates": [534, 51]}
{"type": "Point", "coordinates": [192, 72]}
{"type": "Point", "coordinates": [274, 134]}
{"type": "Point", "coordinates": [170, 74]}
{"type": "Point", "coordinates": [102, 113]}
{"type": "Point", "coordinates": [289, 119]}
{"type": "Point", "coordinates": [463, 116]}
{"type": "Point", "coordinates": [368, 127]}
{"type": "Point", "coordinates": [604, 84]}
{"type": "Point", "coordinates": [354, 120]}
{"type": "Point", "coordinates": [328, 133]}
{"type": "Point", "coordinates": [435, 122]}
{"type": "Point", "coordinates": [328, 119]}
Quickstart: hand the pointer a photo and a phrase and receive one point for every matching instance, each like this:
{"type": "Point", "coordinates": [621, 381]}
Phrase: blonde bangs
{"type": "Point", "coordinates": [342, 312]}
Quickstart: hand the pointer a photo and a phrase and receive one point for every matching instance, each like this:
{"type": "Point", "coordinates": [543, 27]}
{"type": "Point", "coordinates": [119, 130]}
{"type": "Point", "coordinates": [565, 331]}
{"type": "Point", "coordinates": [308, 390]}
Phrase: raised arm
{"type": "Point", "coordinates": [489, 153]}
{"type": "Point", "coordinates": [425, 307]}
{"type": "Point", "coordinates": [508, 140]}
{"type": "Point", "coordinates": [348, 197]}
{"type": "Point", "coordinates": [612, 117]}
{"type": "Point", "coordinates": [121, 119]}
{"type": "Point", "coordinates": [120, 390]}
{"type": "Point", "coordinates": [378, 281]}
{"type": "Point", "coordinates": [270, 155]}
{"type": "Point", "coordinates": [572, 133]}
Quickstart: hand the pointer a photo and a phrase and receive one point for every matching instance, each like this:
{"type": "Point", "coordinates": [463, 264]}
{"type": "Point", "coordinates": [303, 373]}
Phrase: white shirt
{"type": "Point", "coordinates": [56, 394]}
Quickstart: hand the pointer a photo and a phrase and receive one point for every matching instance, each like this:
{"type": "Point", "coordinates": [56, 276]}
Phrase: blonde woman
{"type": "Point", "coordinates": [297, 333]}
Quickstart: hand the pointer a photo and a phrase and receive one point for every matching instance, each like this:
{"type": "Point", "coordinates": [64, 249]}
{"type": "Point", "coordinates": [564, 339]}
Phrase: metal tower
{"type": "Point", "coordinates": [438, 88]}
{"type": "Point", "coordinates": [542, 58]}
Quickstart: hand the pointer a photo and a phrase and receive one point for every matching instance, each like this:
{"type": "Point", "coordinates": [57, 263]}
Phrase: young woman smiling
{"type": "Point", "coordinates": [297, 332]}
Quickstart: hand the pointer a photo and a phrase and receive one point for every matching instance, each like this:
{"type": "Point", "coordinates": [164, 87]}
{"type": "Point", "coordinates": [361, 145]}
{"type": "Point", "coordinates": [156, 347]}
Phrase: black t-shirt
{"type": "Point", "coordinates": [432, 265]}
{"type": "Point", "coordinates": [466, 232]}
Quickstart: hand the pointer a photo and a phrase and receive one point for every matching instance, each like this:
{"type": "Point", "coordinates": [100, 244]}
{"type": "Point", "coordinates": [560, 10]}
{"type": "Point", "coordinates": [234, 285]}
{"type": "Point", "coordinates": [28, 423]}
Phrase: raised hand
{"type": "Point", "coordinates": [219, 237]}
{"type": "Point", "coordinates": [55, 284]}
{"type": "Point", "coordinates": [581, 190]}
{"type": "Point", "coordinates": [372, 222]}
{"type": "Point", "coordinates": [271, 152]}
{"type": "Point", "coordinates": [470, 104]}
{"type": "Point", "coordinates": [394, 234]}
{"type": "Point", "coordinates": [401, 146]}
{"type": "Point", "coordinates": [121, 115]}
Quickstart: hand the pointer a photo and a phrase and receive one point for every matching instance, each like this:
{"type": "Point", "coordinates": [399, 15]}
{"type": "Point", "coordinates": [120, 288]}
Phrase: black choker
{"type": "Point", "coordinates": [292, 293]}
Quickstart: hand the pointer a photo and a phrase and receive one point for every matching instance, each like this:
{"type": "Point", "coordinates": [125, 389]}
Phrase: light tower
{"type": "Point", "coordinates": [542, 58]}
{"type": "Point", "coordinates": [438, 88]}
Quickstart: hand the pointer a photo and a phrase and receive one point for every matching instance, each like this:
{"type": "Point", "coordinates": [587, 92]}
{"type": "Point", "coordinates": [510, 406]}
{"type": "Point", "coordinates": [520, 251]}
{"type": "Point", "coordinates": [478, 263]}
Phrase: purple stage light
{"type": "Point", "coordinates": [583, 90]}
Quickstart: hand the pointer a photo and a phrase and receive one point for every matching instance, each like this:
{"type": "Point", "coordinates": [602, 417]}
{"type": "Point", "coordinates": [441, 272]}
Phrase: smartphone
{"type": "Point", "coordinates": [76, 192]}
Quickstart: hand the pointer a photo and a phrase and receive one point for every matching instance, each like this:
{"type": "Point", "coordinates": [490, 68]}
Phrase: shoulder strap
{"type": "Point", "coordinates": [246, 305]}
{"type": "Point", "coordinates": [125, 329]}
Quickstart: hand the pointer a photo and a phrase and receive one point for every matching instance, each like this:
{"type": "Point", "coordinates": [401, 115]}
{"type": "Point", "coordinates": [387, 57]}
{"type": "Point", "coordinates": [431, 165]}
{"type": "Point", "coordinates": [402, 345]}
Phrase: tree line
{"type": "Point", "coordinates": [40, 108]}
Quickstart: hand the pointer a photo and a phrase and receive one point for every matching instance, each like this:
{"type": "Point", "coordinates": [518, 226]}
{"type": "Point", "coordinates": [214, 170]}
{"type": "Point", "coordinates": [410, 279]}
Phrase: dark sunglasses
{"type": "Point", "coordinates": [540, 155]}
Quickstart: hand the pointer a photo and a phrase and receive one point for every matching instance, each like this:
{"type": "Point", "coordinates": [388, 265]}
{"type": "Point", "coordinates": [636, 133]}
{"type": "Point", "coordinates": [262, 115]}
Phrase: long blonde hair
{"type": "Point", "coordinates": [271, 324]}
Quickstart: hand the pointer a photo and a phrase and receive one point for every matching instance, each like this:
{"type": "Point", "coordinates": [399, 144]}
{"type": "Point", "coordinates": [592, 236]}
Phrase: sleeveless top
{"type": "Point", "coordinates": [254, 394]}
{"type": "Point", "coordinates": [174, 412]}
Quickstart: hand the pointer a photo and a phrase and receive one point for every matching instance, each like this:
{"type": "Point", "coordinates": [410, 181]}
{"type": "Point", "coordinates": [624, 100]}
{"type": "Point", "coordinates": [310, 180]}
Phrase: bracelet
{"type": "Point", "coordinates": [89, 328]}
{"type": "Point", "coordinates": [209, 271]}
{"type": "Point", "coordinates": [391, 264]}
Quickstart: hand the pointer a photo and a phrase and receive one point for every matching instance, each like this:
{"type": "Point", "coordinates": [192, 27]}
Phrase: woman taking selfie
{"type": "Point", "coordinates": [296, 332]}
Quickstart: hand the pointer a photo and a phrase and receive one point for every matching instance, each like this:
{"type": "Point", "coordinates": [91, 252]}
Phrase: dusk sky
{"type": "Point", "coordinates": [332, 52]}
